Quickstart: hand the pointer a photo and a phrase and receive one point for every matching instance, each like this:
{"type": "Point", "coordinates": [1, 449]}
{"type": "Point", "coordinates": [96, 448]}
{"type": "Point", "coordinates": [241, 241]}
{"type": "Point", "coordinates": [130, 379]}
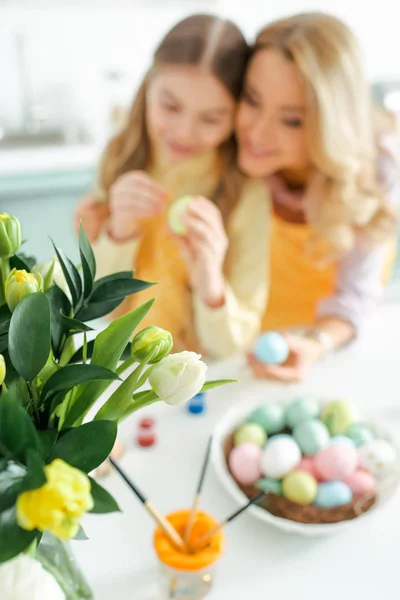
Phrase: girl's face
{"type": "Point", "coordinates": [270, 119]}
{"type": "Point", "coordinates": [188, 110]}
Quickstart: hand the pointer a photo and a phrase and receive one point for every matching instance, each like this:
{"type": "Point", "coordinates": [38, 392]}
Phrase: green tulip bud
{"type": "Point", "coordinates": [2, 369]}
{"type": "Point", "coordinates": [152, 341]}
{"type": "Point", "coordinates": [19, 284]}
{"type": "Point", "coordinates": [10, 235]}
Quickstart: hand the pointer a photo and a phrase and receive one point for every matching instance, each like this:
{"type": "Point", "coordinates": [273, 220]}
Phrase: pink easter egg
{"type": "Point", "coordinates": [361, 483]}
{"type": "Point", "coordinates": [244, 462]}
{"type": "Point", "coordinates": [336, 462]}
{"type": "Point", "coordinates": [307, 464]}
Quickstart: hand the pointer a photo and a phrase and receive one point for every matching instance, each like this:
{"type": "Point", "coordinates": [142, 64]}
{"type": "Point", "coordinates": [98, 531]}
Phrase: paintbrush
{"type": "Point", "coordinates": [196, 500]}
{"type": "Point", "coordinates": [163, 523]}
{"type": "Point", "coordinates": [209, 534]}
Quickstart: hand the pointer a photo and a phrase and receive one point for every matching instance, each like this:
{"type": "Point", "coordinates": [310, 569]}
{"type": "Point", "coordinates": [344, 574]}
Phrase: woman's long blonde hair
{"type": "Point", "coordinates": [345, 197]}
{"type": "Point", "coordinates": [203, 40]}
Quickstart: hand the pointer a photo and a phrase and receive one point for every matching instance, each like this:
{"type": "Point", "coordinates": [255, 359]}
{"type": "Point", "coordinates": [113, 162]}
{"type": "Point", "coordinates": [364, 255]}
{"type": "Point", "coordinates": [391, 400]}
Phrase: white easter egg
{"type": "Point", "coordinates": [280, 456]}
{"type": "Point", "coordinates": [378, 457]}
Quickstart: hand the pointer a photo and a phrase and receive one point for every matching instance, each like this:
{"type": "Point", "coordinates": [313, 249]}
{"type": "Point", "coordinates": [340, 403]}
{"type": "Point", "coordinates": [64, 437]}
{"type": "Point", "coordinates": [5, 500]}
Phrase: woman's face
{"type": "Point", "coordinates": [270, 119]}
{"type": "Point", "coordinates": [188, 111]}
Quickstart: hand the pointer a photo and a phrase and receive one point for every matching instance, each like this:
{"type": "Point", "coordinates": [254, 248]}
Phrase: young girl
{"type": "Point", "coordinates": [305, 124]}
{"type": "Point", "coordinates": [212, 283]}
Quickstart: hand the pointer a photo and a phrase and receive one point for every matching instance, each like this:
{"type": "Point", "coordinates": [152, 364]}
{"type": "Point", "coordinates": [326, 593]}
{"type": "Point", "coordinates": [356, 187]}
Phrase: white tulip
{"type": "Point", "coordinates": [24, 578]}
{"type": "Point", "coordinates": [178, 377]}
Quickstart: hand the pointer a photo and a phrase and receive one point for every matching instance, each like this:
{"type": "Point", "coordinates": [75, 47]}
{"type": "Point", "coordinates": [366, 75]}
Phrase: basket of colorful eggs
{"type": "Point", "coordinates": [321, 467]}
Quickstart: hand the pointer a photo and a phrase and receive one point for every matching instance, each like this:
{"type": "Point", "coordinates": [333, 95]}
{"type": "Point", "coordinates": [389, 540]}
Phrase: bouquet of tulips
{"type": "Point", "coordinates": [48, 446]}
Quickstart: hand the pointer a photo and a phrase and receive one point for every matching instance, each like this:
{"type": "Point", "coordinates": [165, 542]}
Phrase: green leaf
{"type": "Point", "coordinates": [117, 289]}
{"type": "Point", "coordinates": [81, 535]}
{"type": "Point", "coordinates": [74, 325]}
{"type": "Point", "coordinates": [17, 432]}
{"type": "Point", "coordinates": [78, 356]}
{"type": "Point", "coordinates": [22, 261]}
{"type": "Point", "coordinates": [114, 408]}
{"type": "Point", "coordinates": [59, 305]}
{"type": "Point", "coordinates": [11, 484]}
{"type": "Point", "coordinates": [72, 375]}
{"type": "Point", "coordinates": [5, 318]}
{"type": "Point", "coordinates": [29, 340]}
{"type": "Point", "coordinates": [108, 349]}
{"type": "Point", "coordinates": [13, 539]}
{"type": "Point", "coordinates": [88, 263]}
{"type": "Point", "coordinates": [35, 477]}
{"type": "Point", "coordinates": [71, 275]}
{"type": "Point", "coordinates": [87, 446]}
{"type": "Point", "coordinates": [113, 277]}
{"type": "Point", "coordinates": [3, 342]}
{"type": "Point", "coordinates": [103, 501]}
{"type": "Point", "coordinates": [48, 438]}
{"type": "Point", "coordinates": [98, 310]}
{"type": "Point", "coordinates": [209, 385]}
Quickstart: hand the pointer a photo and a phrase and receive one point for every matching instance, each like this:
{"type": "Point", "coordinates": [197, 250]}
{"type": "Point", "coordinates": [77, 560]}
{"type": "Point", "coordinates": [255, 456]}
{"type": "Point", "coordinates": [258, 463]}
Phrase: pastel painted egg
{"type": "Point", "coordinates": [338, 416]}
{"type": "Point", "coordinates": [333, 493]}
{"type": "Point", "coordinates": [271, 348]}
{"type": "Point", "coordinates": [280, 456]}
{"type": "Point", "coordinates": [300, 487]}
{"type": "Point", "coordinates": [270, 416]}
{"type": "Point", "coordinates": [378, 457]}
{"type": "Point", "coordinates": [307, 464]}
{"type": "Point", "coordinates": [342, 439]}
{"type": "Point", "coordinates": [302, 409]}
{"type": "Point", "coordinates": [361, 483]}
{"type": "Point", "coordinates": [337, 461]}
{"type": "Point", "coordinates": [360, 434]}
{"type": "Point", "coordinates": [267, 484]}
{"type": "Point", "coordinates": [176, 212]}
{"type": "Point", "coordinates": [251, 433]}
{"type": "Point", "coordinates": [244, 462]}
{"type": "Point", "coordinates": [312, 436]}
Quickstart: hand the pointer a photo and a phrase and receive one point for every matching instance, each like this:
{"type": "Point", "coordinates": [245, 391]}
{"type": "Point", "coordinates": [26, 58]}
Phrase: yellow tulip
{"type": "Point", "coordinates": [19, 284]}
{"type": "Point", "coordinates": [59, 504]}
{"type": "Point", "coordinates": [10, 235]}
{"type": "Point", "coordinates": [2, 369]}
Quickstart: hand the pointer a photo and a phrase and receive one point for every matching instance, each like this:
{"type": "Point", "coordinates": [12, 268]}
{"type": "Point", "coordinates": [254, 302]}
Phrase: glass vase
{"type": "Point", "coordinates": [57, 557]}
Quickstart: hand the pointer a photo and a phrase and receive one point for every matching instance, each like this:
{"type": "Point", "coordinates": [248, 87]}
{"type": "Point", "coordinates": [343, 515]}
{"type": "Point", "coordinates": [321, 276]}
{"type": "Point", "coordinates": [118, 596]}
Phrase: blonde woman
{"type": "Point", "coordinates": [305, 124]}
{"type": "Point", "coordinates": [212, 282]}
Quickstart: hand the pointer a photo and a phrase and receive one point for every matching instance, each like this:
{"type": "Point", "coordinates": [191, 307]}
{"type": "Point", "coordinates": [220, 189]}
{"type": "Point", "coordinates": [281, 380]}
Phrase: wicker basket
{"type": "Point", "coordinates": [281, 507]}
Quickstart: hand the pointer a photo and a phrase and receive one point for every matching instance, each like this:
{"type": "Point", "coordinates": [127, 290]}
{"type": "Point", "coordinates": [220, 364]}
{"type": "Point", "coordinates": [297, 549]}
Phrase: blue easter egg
{"type": "Point", "coordinates": [333, 493]}
{"type": "Point", "coordinates": [268, 484]}
{"type": "Point", "coordinates": [360, 434]}
{"type": "Point", "coordinates": [312, 436]}
{"type": "Point", "coordinates": [270, 416]}
{"type": "Point", "coordinates": [342, 439]}
{"type": "Point", "coordinates": [271, 348]}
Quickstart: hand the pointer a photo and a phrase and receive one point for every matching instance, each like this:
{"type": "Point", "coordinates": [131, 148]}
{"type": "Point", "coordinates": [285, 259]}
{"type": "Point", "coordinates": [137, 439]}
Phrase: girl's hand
{"type": "Point", "coordinates": [304, 352]}
{"type": "Point", "coordinates": [93, 214]}
{"type": "Point", "coordinates": [204, 248]}
{"type": "Point", "coordinates": [134, 196]}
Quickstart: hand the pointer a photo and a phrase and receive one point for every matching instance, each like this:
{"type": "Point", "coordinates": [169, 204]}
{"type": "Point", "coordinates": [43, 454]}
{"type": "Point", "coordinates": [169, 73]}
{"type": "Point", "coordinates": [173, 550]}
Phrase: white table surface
{"type": "Point", "coordinates": [260, 561]}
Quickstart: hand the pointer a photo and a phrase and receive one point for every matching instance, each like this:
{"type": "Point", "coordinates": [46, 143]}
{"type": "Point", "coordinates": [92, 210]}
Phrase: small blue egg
{"type": "Point", "coordinates": [360, 434]}
{"type": "Point", "coordinates": [268, 484]}
{"type": "Point", "coordinates": [271, 348]}
{"type": "Point", "coordinates": [333, 493]}
{"type": "Point", "coordinates": [270, 416]}
{"type": "Point", "coordinates": [342, 439]}
{"type": "Point", "coordinates": [312, 436]}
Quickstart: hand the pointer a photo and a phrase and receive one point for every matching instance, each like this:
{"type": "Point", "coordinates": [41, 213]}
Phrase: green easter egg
{"type": "Point", "coordinates": [300, 487]}
{"type": "Point", "coordinates": [270, 416]}
{"type": "Point", "coordinates": [251, 433]}
{"type": "Point", "coordinates": [302, 409]}
{"type": "Point", "coordinates": [360, 434]}
{"type": "Point", "coordinates": [176, 211]}
{"type": "Point", "coordinates": [312, 436]}
{"type": "Point", "coordinates": [267, 484]}
{"type": "Point", "coordinates": [338, 416]}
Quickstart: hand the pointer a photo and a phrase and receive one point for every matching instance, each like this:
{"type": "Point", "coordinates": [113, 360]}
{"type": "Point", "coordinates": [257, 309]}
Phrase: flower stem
{"type": "Point", "coordinates": [5, 271]}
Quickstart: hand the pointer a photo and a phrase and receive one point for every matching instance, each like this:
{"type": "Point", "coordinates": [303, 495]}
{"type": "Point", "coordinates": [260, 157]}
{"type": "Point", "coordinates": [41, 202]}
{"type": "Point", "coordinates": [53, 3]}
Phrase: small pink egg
{"type": "Point", "coordinates": [336, 462]}
{"type": "Point", "coordinates": [361, 483]}
{"type": "Point", "coordinates": [245, 463]}
{"type": "Point", "coordinates": [307, 464]}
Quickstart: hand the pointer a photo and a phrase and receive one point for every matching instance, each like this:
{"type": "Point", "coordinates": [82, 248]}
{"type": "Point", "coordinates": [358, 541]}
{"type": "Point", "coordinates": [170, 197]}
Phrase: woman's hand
{"type": "Point", "coordinates": [92, 214]}
{"type": "Point", "coordinates": [204, 248]}
{"type": "Point", "coordinates": [304, 352]}
{"type": "Point", "coordinates": [134, 196]}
